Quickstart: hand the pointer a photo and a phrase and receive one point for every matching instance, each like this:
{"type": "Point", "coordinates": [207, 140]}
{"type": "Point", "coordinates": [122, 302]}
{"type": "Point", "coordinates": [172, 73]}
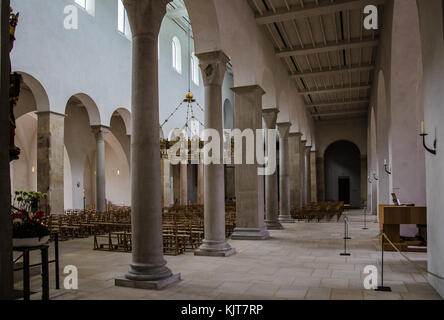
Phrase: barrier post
{"type": "Point", "coordinates": [345, 239]}
{"type": "Point", "coordinates": [382, 287]}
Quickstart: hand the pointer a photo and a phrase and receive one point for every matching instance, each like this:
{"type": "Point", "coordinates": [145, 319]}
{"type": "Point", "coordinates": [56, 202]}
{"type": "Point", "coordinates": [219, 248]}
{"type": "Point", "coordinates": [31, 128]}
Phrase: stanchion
{"type": "Point", "coordinates": [382, 287]}
{"type": "Point", "coordinates": [346, 237]}
{"type": "Point", "coordinates": [365, 220]}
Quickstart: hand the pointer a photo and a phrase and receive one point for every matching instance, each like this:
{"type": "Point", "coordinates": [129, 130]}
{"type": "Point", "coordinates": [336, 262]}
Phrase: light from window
{"type": "Point", "coordinates": [88, 5]}
{"type": "Point", "coordinates": [177, 55]}
{"type": "Point", "coordinates": [122, 19]}
{"type": "Point", "coordinates": [194, 69]}
{"type": "Point", "coordinates": [81, 3]}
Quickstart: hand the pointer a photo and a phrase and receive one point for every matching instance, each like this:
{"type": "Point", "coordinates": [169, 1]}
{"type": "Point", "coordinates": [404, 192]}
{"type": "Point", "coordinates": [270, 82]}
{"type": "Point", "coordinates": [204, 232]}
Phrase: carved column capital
{"type": "Point", "coordinates": [213, 66]}
{"type": "Point", "coordinates": [145, 16]}
{"type": "Point", "coordinates": [270, 117]}
{"type": "Point", "coordinates": [100, 131]}
{"type": "Point", "coordinates": [284, 129]}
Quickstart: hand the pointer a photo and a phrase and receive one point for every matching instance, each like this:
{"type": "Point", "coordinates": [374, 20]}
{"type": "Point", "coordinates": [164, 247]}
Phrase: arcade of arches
{"type": "Point", "coordinates": [347, 105]}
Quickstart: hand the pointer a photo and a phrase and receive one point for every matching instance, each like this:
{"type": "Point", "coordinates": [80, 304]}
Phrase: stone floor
{"type": "Point", "coordinates": [300, 262]}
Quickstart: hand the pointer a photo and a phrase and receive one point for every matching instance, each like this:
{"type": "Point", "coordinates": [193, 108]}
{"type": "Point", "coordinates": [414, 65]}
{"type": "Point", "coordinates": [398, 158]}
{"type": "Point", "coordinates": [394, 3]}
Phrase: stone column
{"type": "Point", "coordinates": [166, 182]}
{"type": "Point", "coordinates": [320, 179]}
{"type": "Point", "coordinates": [364, 180]}
{"type": "Point", "coordinates": [294, 146]}
{"type": "Point", "coordinates": [303, 174]}
{"type": "Point", "coordinates": [313, 177]}
{"type": "Point", "coordinates": [230, 182]}
{"type": "Point", "coordinates": [271, 193]}
{"type": "Point", "coordinates": [148, 267]}
{"type": "Point", "coordinates": [176, 183]}
{"type": "Point", "coordinates": [284, 173]}
{"type": "Point", "coordinates": [200, 183]}
{"type": "Point", "coordinates": [249, 185]}
{"type": "Point", "coordinates": [6, 266]}
{"type": "Point", "coordinates": [308, 173]}
{"type": "Point", "coordinates": [99, 133]}
{"type": "Point", "coordinates": [50, 154]}
{"type": "Point", "coordinates": [183, 184]}
{"type": "Point", "coordinates": [214, 66]}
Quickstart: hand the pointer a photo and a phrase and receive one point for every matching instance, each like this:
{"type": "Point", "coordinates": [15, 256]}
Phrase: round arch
{"type": "Point", "coordinates": [125, 114]}
{"type": "Point", "coordinates": [342, 164]}
{"type": "Point", "coordinates": [91, 108]}
{"type": "Point", "coordinates": [39, 93]}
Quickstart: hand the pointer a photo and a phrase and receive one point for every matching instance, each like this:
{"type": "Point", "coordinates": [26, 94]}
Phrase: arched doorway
{"type": "Point", "coordinates": [343, 173]}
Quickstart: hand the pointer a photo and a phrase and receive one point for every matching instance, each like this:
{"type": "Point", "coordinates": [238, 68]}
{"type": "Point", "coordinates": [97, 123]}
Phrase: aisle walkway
{"type": "Point", "coordinates": [300, 262]}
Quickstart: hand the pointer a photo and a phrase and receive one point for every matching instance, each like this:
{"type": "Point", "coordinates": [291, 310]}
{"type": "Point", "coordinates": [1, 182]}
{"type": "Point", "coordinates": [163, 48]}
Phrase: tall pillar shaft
{"type": "Point", "coordinates": [200, 183]}
{"type": "Point", "coordinates": [249, 185]}
{"type": "Point", "coordinates": [284, 173]}
{"type": "Point", "coordinates": [308, 174]}
{"type": "Point", "coordinates": [320, 179]}
{"type": "Point", "coordinates": [364, 181]}
{"type": "Point", "coordinates": [271, 193]}
{"type": "Point", "coordinates": [294, 146]}
{"type": "Point", "coordinates": [213, 65]}
{"type": "Point", "coordinates": [303, 173]}
{"type": "Point", "coordinates": [50, 153]}
{"type": "Point", "coordinates": [166, 182]}
{"type": "Point", "coordinates": [6, 266]}
{"type": "Point", "coordinates": [313, 177]}
{"type": "Point", "coordinates": [183, 184]}
{"type": "Point", "coordinates": [148, 267]}
{"type": "Point", "coordinates": [99, 133]}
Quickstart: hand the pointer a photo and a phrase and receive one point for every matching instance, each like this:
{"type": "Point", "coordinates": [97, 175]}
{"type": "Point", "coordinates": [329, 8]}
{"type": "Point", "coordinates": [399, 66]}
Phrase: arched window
{"type": "Point", "coordinates": [122, 19]}
{"type": "Point", "coordinates": [88, 5]}
{"type": "Point", "coordinates": [177, 55]}
{"type": "Point", "coordinates": [194, 69]}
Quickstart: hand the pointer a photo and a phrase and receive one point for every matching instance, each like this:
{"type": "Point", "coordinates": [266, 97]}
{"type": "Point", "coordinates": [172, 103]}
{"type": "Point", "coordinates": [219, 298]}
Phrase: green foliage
{"type": "Point", "coordinates": [28, 223]}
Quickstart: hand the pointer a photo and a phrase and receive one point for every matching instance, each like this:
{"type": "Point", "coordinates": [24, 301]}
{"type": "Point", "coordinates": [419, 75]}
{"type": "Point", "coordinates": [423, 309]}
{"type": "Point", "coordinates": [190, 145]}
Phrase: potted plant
{"type": "Point", "coordinates": [29, 229]}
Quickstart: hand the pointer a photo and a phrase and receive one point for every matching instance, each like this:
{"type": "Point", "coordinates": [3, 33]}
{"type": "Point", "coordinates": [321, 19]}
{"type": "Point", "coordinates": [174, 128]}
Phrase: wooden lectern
{"type": "Point", "coordinates": [390, 219]}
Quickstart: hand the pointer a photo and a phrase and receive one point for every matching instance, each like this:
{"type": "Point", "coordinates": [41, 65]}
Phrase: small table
{"type": "Point", "coordinates": [45, 270]}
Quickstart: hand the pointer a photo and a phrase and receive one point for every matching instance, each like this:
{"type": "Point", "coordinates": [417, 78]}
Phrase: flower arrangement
{"type": "Point", "coordinates": [28, 200]}
{"type": "Point", "coordinates": [27, 220]}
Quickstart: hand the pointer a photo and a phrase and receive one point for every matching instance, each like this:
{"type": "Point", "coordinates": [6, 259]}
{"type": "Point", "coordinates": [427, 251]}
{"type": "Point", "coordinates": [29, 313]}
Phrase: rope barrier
{"type": "Point", "coordinates": [408, 259]}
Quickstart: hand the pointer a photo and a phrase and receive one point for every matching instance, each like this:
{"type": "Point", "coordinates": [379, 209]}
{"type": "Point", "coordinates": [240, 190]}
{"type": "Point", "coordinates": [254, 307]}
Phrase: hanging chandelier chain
{"type": "Point", "coordinates": [189, 97]}
{"type": "Point", "coordinates": [171, 115]}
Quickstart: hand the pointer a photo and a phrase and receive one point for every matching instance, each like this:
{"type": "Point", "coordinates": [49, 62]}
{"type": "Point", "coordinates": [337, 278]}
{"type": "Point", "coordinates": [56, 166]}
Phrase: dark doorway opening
{"type": "Point", "coordinates": [344, 189]}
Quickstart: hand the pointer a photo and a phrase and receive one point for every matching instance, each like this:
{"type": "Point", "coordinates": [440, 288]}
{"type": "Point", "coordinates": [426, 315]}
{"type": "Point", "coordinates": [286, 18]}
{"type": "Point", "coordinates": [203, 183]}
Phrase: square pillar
{"type": "Point", "coordinates": [308, 173]}
{"type": "Point", "coordinates": [284, 173]}
{"type": "Point", "coordinates": [50, 162]}
{"type": "Point", "coordinates": [249, 185]}
{"type": "Point", "coordinates": [313, 177]}
{"type": "Point", "coordinates": [303, 173]}
{"type": "Point", "coordinates": [183, 184]}
{"type": "Point", "coordinates": [166, 182]}
{"type": "Point", "coordinates": [294, 147]}
{"type": "Point", "coordinates": [320, 179]}
{"type": "Point", "coordinates": [271, 192]}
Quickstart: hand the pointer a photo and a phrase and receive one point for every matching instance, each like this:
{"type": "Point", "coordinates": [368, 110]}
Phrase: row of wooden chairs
{"type": "Point", "coordinates": [318, 211]}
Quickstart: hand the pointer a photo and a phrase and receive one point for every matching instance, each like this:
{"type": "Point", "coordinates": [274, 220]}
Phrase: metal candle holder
{"type": "Point", "coordinates": [432, 151]}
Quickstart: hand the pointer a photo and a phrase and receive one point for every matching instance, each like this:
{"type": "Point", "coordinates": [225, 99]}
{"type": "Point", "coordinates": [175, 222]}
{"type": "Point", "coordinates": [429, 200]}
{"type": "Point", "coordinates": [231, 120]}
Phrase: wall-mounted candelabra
{"type": "Point", "coordinates": [424, 134]}
{"type": "Point", "coordinates": [386, 167]}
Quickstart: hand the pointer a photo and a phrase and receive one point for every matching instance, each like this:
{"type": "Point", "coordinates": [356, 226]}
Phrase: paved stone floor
{"type": "Point", "coordinates": [300, 262]}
